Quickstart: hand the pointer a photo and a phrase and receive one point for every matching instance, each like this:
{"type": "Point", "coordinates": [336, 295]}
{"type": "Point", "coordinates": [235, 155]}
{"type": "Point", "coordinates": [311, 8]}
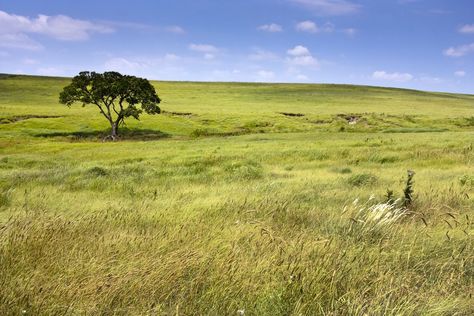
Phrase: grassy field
{"type": "Point", "coordinates": [223, 205]}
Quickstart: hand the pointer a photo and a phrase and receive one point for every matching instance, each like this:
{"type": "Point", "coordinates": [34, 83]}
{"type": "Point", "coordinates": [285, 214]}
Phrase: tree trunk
{"type": "Point", "coordinates": [114, 132]}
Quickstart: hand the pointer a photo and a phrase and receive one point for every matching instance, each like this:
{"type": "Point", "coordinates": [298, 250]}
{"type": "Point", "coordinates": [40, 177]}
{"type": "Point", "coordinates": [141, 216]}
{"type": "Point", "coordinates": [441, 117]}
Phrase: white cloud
{"type": "Point", "coordinates": [395, 76]}
{"type": "Point", "coordinates": [209, 56]}
{"type": "Point", "coordinates": [459, 51]}
{"type": "Point", "coordinates": [272, 28]}
{"type": "Point", "coordinates": [311, 27]}
{"type": "Point", "coordinates": [60, 27]}
{"type": "Point", "coordinates": [329, 7]}
{"type": "Point", "coordinates": [460, 73]}
{"type": "Point", "coordinates": [304, 61]}
{"type": "Point", "coordinates": [467, 29]}
{"type": "Point", "coordinates": [307, 26]}
{"type": "Point", "coordinates": [298, 51]}
{"type": "Point", "coordinates": [19, 40]}
{"type": "Point", "coordinates": [301, 56]}
{"type": "Point", "coordinates": [203, 48]}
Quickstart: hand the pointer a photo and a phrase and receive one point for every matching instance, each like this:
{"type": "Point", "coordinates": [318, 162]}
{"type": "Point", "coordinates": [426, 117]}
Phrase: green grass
{"type": "Point", "coordinates": [235, 205]}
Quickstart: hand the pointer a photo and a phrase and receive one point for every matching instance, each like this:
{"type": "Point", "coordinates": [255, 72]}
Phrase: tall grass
{"type": "Point", "coordinates": [260, 222]}
{"type": "Point", "coordinates": [140, 261]}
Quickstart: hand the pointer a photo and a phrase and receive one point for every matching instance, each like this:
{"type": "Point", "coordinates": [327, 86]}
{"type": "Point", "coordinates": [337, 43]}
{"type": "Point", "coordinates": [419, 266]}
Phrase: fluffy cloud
{"type": "Point", "coordinates": [467, 29]}
{"type": "Point", "coordinates": [298, 51]}
{"type": "Point", "coordinates": [301, 56]}
{"type": "Point", "coordinates": [60, 27]}
{"type": "Point", "coordinates": [329, 7]}
{"type": "Point", "coordinates": [19, 40]}
{"type": "Point", "coordinates": [459, 51]}
{"type": "Point", "coordinates": [307, 26]}
{"type": "Point", "coordinates": [311, 27]}
{"type": "Point", "coordinates": [394, 76]}
{"type": "Point", "coordinates": [272, 28]}
{"type": "Point", "coordinates": [304, 61]}
{"type": "Point", "coordinates": [460, 73]}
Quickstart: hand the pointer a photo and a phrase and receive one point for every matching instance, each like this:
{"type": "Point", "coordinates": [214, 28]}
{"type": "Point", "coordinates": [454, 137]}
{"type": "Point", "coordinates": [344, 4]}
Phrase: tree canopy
{"type": "Point", "coordinates": [116, 96]}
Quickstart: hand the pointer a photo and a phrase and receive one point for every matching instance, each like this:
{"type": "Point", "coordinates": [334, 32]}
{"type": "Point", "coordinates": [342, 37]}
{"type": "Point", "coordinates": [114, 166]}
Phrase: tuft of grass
{"type": "Point", "coordinates": [362, 179]}
{"type": "Point", "coordinates": [342, 170]}
{"type": "Point", "coordinates": [6, 197]}
{"type": "Point", "coordinates": [244, 170]}
{"type": "Point", "coordinates": [374, 221]}
{"type": "Point", "coordinates": [467, 180]}
{"type": "Point", "coordinates": [97, 172]}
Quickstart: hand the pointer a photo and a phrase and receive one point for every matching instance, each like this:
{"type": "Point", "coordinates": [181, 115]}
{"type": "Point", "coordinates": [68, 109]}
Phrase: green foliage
{"type": "Point", "coordinates": [116, 96]}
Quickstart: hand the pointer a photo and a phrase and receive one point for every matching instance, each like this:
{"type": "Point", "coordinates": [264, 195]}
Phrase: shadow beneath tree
{"type": "Point", "coordinates": [125, 134]}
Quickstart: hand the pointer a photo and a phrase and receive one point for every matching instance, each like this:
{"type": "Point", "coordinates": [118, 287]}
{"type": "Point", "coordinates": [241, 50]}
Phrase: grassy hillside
{"type": "Point", "coordinates": [223, 203]}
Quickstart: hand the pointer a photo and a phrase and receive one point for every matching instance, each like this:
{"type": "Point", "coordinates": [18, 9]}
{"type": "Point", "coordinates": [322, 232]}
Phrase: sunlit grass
{"type": "Point", "coordinates": [253, 212]}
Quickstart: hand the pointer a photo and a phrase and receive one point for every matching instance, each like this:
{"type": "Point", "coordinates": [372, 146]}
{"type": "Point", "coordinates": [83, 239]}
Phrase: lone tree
{"type": "Point", "coordinates": [117, 96]}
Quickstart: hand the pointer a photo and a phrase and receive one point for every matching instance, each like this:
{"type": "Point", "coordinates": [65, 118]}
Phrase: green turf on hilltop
{"type": "Point", "coordinates": [223, 203]}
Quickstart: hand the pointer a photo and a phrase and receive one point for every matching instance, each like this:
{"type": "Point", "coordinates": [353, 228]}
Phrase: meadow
{"type": "Point", "coordinates": [239, 199]}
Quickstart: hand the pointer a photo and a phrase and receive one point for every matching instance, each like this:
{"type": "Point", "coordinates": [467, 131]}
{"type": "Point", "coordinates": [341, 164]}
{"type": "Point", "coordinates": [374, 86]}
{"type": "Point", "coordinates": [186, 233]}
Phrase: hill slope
{"type": "Point", "coordinates": [223, 203]}
{"type": "Point", "coordinates": [241, 108]}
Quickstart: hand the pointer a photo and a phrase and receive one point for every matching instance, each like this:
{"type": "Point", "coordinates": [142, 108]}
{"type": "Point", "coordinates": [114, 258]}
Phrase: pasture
{"type": "Point", "coordinates": [241, 198]}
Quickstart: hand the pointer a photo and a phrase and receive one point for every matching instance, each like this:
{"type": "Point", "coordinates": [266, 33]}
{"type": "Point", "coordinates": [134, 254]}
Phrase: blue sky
{"type": "Point", "coordinates": [421, 44]}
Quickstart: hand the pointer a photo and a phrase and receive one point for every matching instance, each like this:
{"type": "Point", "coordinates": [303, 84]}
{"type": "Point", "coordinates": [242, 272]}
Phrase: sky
{"type": "Point", "coordinates": [419, 44]}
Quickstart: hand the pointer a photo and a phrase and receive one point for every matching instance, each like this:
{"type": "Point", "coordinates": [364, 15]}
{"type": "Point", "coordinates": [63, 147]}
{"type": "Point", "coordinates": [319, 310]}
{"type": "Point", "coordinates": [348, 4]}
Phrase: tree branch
{"type": "Point", "coordinates": [103, 113]}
